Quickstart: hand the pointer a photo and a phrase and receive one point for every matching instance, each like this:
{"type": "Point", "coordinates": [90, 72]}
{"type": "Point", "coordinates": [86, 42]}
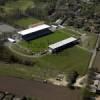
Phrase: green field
{"type": "Point", "coordinates": [42, 43]}
{"type": "Point", "coordinates": [17, 8]}
{"type": "Point", "coordinates": [70, 59]}
{"type": "Point", "coordinates": [49, 66]}
{"type": "Point", "coordinates": [25, 22]}
{"type": "Point", "coordinates": [19, 4]}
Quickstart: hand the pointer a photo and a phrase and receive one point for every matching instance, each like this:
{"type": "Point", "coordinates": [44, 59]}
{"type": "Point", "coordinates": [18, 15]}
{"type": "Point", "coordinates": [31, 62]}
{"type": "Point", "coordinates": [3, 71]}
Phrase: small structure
{"type": "Point", "coordinates": [62, 44]}
{"type": "Point", "coordinates": [97, 76]}
{"type": "Point", "coordinates": [35, 32]}
{"type": "Point", "coordinates": [58, 22]}
{"type": "Point", "coordinates": [95, 88]}
{"type": "Point", "coordinates": [53, 28]}
{"type": "Point", "coordinates": [11, 40]}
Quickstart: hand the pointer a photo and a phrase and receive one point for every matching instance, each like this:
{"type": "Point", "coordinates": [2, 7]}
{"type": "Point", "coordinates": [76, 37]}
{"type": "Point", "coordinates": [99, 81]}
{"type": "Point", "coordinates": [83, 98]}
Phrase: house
{"type": "Point", "coordinates": [95, 87]}
{"type": "Point", "coordinates": [62, 44]}
{"type": "Point", "coordinates": [35, 32]}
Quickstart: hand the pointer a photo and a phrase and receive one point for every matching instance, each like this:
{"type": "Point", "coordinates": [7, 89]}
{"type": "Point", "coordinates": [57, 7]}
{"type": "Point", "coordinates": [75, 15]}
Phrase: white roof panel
{"type": "Point", "coordinates": [34, 29]}
{"type": "Point", "coordinates": [11, 40]}
{"type": "Point", "coordinates": [63, 42]}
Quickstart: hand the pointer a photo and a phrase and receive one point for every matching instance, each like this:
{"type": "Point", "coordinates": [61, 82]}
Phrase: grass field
{"type": "Point", "coordinates": [18, 7]}
{"type": "Point", "coordinates": [25, 22]}
{"type": "Point", "coordinates": [19, 4]}
{"type": "Point", "coordinates": [70, 59]}
{"type": "Point", "coordinates": [42, 43]}
{"type": "Point", "coordinates": [49, 66]}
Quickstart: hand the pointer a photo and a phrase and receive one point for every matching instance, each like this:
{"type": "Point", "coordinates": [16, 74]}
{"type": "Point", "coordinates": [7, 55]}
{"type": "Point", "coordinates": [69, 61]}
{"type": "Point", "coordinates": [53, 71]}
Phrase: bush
{"type": "Point", "coordinates": [71, 78]}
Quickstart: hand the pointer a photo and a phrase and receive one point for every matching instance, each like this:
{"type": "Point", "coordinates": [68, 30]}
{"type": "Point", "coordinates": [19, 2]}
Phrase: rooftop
{"type": "Point", "coordinates": [63, 42]}
{"type": "Point", "coordinates": [34, 29]}
{"type": "Point", "coordinates": [11, 40]}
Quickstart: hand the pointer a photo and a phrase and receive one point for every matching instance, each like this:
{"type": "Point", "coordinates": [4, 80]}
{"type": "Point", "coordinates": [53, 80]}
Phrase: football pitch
{"type": "Point", "coordinates": [73, 58]}
{"type": "Point", "coordinates": [42, 43]}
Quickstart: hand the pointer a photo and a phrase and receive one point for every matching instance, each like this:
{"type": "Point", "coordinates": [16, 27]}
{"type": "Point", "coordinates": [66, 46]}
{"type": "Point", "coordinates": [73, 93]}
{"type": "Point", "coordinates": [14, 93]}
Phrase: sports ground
{"type": "Point", "coordinates": [73, 58]}
{"type": "Point", "coordinates": [42, 43]}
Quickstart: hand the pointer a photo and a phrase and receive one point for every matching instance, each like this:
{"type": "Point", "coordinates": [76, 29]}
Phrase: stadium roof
{"type": "Point", "coordinates": [34, 29]}
{"type": "Point", "coordinates": [62, 43]}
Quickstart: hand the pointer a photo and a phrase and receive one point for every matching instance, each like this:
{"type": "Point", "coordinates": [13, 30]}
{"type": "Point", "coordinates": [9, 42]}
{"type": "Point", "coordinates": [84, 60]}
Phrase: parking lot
{"type": "Point", "coordinates": [6, 28]}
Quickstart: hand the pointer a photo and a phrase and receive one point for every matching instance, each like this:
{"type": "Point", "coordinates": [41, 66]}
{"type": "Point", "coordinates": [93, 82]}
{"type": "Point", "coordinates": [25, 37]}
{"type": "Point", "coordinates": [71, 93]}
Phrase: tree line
{"type": "Point", "coordinates": [83, 14]}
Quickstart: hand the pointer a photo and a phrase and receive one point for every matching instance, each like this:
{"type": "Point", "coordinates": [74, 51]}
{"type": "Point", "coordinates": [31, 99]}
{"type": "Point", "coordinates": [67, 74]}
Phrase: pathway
{"type": "Point", "coordinates": [21, 54]}
{"type": "Point", "coordinates": [94, 53]}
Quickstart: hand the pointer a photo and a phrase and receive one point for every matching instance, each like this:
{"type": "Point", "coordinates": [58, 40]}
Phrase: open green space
{"type": "Point", "coordinates": [18, 8]}
{"type": "Point", "coordinates": [91, 38]}
{"type": "Point", "coordinates": [42, 43]}
{"type": "Point", "coordinates": [70, 59]}
{"type": "Point", "coordinates": [25, 22]}
{"type": "Point", "coordinates": [19, 4]}
{"type": "Point", "coordinates": [49, 66]}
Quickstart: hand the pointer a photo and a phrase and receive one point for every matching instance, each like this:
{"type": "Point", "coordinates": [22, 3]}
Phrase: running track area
{"type": "Point", "coordinates": [21, 87]}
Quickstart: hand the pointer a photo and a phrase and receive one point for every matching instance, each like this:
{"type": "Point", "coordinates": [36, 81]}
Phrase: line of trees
{"type": "Point", "coordinates": [83, 14]}
{"type": "Point", "coordinates": [8, 57]}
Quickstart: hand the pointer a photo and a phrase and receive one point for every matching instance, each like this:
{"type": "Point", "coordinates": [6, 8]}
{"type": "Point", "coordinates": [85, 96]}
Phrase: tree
{"type": "Point", "coordinates": [71, 78]}
{"type": "Point", "coordinates": [24, 98]}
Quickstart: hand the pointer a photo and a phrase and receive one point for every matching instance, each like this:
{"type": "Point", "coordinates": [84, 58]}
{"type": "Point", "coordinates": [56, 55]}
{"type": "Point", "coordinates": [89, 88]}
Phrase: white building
{"type": "Point", "coordinates": [59, 45]}
{"type": "Point", "coordinates": [11, 40]}
{"type": "Point", "coordinates": [35, 32]}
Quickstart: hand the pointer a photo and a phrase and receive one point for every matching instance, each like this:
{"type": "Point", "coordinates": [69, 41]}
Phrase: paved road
{"type": "Point", "coordinates": [94, 55]}
{"type": "Point", "coordinates": [97, 61]}
{"type": "Point", "coordinates": [34, 88]}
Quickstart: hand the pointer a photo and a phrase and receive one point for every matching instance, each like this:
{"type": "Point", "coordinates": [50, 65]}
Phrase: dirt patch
{"type": "Point", "coordinates": [54, 81]}
{"type": "Point", "coordinates": [98, 98]}
{"type": "Point", "coordinates": [81, 82]}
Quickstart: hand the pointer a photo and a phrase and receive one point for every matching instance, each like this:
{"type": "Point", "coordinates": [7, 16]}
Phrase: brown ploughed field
{"type": "Point", "coordinates": [21, 87]}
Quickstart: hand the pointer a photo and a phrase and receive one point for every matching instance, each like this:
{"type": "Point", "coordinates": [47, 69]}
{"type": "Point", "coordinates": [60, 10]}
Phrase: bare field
{"type": "Point", "coordinates": [37, 89]}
